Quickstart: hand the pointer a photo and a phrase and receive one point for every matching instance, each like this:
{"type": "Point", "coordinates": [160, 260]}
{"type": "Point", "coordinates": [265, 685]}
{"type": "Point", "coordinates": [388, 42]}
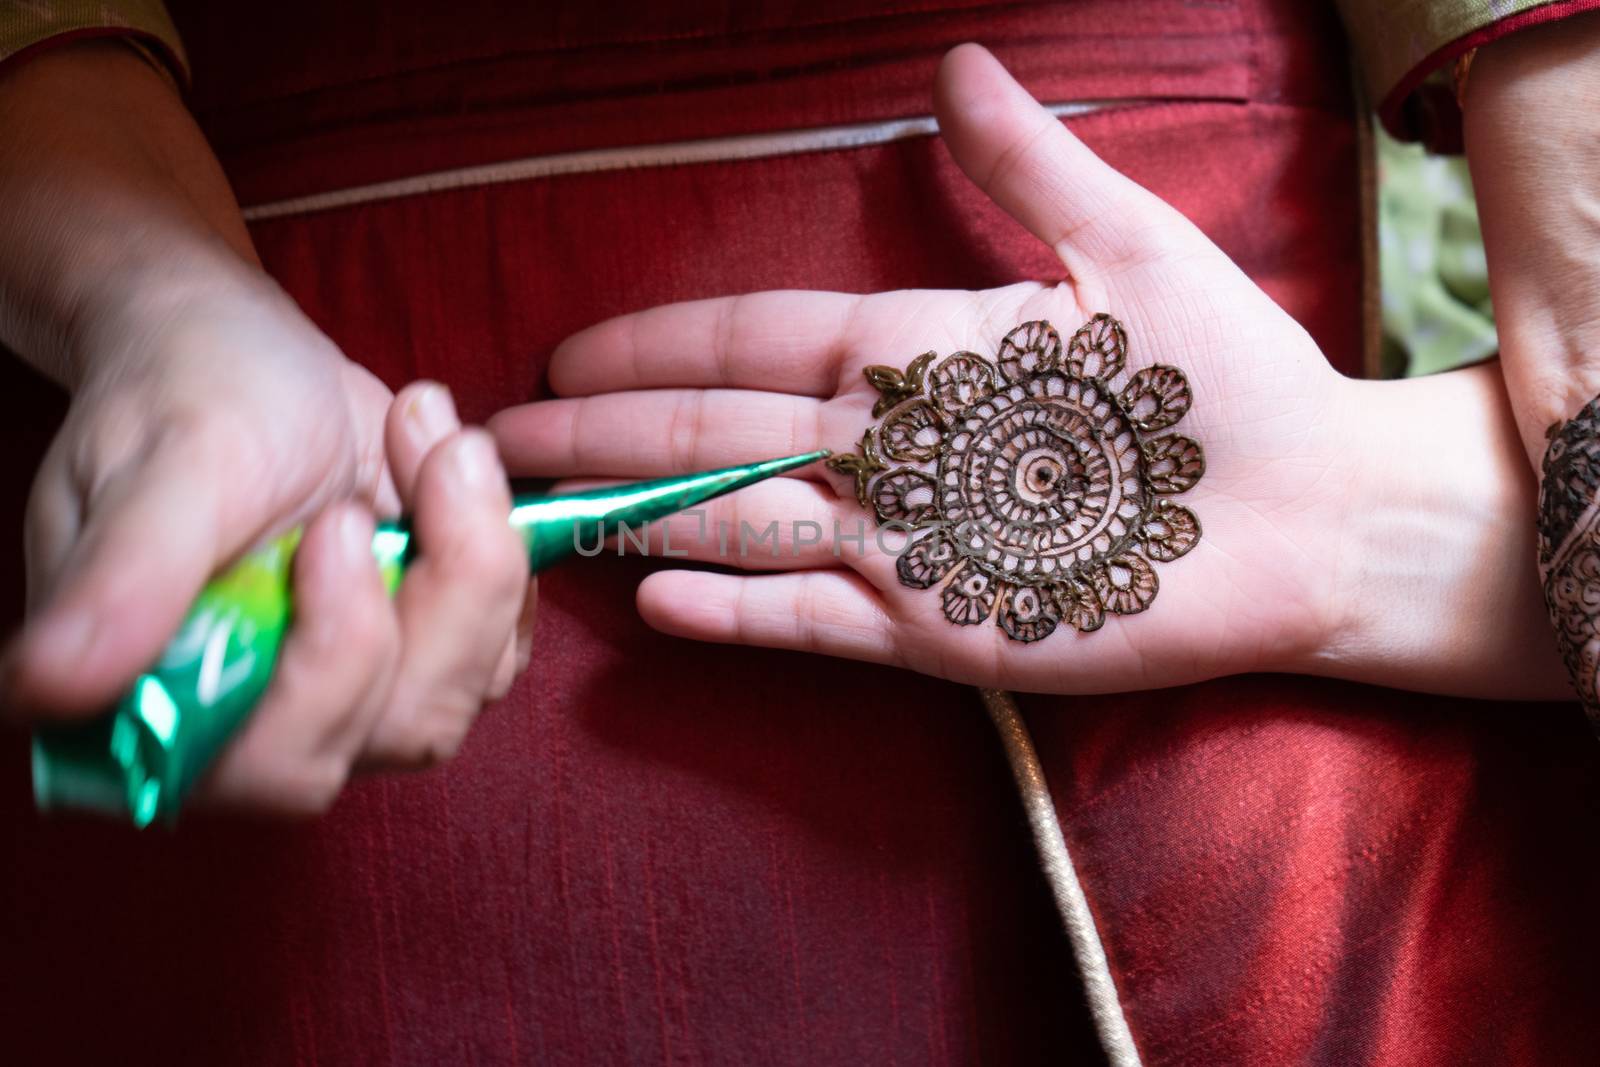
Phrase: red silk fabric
{"type": "Point", "coordinates": [655, 851]}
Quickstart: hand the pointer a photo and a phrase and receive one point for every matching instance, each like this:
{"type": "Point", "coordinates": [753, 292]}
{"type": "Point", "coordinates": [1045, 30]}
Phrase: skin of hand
{"type": "Point", "coordinates": [1534, 148]}
{"type": "Point", "coordinates": [207, 414]}
{"type": "Point", "coordinates": [1372, 531]}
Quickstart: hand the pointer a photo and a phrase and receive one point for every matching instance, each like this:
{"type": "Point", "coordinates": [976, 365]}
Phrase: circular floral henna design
{"type": "Point", "coordinates": [1039, 484]}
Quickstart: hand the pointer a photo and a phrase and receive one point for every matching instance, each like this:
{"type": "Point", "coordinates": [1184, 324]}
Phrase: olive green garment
{"type": "Point", "coordinates": [1391, 38]}
{"type": "Point", "coordinates": [25, 23]}
{"type": "Point", "coordinates": [1433, 275]}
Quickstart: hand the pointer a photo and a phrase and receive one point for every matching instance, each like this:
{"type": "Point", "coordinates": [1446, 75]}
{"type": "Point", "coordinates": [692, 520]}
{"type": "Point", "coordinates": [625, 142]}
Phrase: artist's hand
{"type": "Point", "coordinates": [1359, 529]}
{"type": "Point", "coordinates": [208, 413]}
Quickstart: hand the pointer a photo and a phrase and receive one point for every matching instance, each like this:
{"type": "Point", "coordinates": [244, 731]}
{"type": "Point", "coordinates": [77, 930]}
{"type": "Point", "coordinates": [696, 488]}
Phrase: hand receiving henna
{"type": "Point", "coordinates": [1338, 537]}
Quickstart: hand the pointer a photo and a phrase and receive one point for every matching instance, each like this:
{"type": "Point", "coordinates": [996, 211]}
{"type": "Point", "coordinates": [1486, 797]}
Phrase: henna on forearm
{"type": "Point", "coordinates": [1037, 489]}
{"type": "Point", "coordinates": [1569, 547]}
{"type": "Point", "coordinates": [1530, 135]}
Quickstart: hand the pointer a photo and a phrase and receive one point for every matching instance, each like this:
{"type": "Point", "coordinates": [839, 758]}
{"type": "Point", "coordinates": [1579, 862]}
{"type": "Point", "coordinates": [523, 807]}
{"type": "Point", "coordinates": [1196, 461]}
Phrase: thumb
{"type": "Point", "coordinates": [149, 541]}
{"type": "Point", "coordinates": [1095, 219]}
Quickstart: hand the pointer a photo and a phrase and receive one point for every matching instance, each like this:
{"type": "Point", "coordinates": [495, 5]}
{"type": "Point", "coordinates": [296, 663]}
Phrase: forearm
{"type": "Point", "coordinates": [1434, 579]}
{"type": "Point", "coordinates": [1533, 138]}
{"type": "Point", "coordinates": [106, 185]}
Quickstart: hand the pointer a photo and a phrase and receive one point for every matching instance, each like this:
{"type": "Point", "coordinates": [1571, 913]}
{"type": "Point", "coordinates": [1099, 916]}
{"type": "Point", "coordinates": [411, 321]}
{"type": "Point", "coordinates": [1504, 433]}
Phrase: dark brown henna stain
{"type": "Point", "coordinates": [1037, 490]}
{"type": "Point", "coordinates": [861, 466]}
{"type": "Point", "coordinates": [894, 386]}
{"type": "Point", "coordinates": [1569, 547]}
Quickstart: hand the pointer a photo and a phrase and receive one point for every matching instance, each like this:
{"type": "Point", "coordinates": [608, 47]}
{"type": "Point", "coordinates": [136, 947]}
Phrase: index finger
{"type": "Point", "coordinates": [785, 341]}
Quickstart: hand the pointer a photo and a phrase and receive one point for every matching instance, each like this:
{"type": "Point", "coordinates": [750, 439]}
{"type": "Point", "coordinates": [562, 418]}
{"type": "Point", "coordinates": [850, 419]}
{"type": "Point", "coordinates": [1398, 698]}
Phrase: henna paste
{"type": "Point", "coordinates": [1038, 484]}
{"type": "Point", "coordinates": [1569, 547]}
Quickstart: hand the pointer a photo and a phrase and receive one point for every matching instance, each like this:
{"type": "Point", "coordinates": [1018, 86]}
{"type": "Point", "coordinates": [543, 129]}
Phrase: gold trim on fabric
{"type": "Point", "coordinates": [1100, 987]}
{"type": "Point", "coordinates": [676, 153]}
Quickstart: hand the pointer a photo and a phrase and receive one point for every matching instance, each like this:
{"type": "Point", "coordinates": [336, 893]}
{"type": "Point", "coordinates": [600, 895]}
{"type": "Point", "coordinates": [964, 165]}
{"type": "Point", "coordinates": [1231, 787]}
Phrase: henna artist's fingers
{"type": "Point", "coordinates": [421, 416]}
{"type": "Point", "coordinates": [666, 431]}
{"type": "Point", "coordinates": [1030, 164]}
{"type": "Point", "coordinates": [785, 341]}
{"type": "Point", "coordinates": [50, 525]}
{"type": "Point", "coordinates": [102, 619]}
{"type": "Point", "coordinates": [833, 612]}
{"type": "Point", "coordinates": [292, 756]}
{"type": "Point", "coordinates": [526, 623]}
{"type": "Point", "coordinates": [370, 402]}
{"type": "Point", "coordinates": [526, 620]}
{"type": "Point", "coordinates": [505, 671]}
{"type": "Point", "coordinates": [458, 604]}
{"type": "Point", "coordinates": [519, 645]}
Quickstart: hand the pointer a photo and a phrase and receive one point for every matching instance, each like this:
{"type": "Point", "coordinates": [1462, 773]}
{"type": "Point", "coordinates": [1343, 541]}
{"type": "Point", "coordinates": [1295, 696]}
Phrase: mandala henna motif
{"type": "Point", "coordinates": [1569, 548]}
{"type": "Point", "coordinates": [1037, 485]}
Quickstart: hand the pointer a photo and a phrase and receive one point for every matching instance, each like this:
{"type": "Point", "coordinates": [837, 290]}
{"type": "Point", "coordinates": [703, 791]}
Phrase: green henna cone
{"type": "Point", "coordinates": [140, 761]}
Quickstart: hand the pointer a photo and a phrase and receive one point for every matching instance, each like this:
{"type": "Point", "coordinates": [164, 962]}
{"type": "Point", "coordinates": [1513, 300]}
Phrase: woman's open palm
{"type": "Point", "coordinates": [716, 382]}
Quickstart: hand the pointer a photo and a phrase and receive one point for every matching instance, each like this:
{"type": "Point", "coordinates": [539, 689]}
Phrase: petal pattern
{"type": "Point", "coordinates": [1169, 531]}
{"type": "Point", "coordinates": [913, 433]}
{"type": "Point", "coordinates": [1098, 349]}
{"type": "Point", "coordinates": [1157, 397]}
{"type": "Point", "coordinates": [961, 381]}
{"type": "Point", "coordinates": [1126, 584]}
{"type": "Point", "coordinates": [1079, 605]}
{"type": "Point", "coordinates": [926, 560]}
{"type": "Point", "coordinates": [1027, 613]}
{"type": "Point", "coordinates": [903, 495]}
{"type": "Point", "coordinates": [1032, 348]}
{"type": "Point", "coordinates": [969, 597]}
{"type": "Point", "coordinates": [1173, 464]}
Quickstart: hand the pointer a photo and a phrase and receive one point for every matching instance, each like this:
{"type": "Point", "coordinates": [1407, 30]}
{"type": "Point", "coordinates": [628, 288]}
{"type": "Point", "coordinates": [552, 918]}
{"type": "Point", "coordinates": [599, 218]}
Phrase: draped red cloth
{"type": "Point", "coordinates": [655, 851]}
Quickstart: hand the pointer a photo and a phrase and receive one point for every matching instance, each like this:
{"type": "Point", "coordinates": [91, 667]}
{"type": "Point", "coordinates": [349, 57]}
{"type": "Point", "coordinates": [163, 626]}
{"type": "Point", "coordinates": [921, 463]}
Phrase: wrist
{"type": "Point", "coordinates": [1531, 140]}
{"type": "Point", "coordinates": [1435, 587]}
{"type": "Point", "coordinates": [155, 304]}
{"type": "Point", "coordinates": [105, 185]}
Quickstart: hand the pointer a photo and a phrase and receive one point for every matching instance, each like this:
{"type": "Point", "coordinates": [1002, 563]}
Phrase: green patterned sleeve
{"type": "Point", "coordinates": [28, 26]}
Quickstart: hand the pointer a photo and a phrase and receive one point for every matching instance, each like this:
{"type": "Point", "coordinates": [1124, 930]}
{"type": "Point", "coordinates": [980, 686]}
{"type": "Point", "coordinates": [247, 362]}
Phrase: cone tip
{"type": "Point", "coordinates": [789, 463]}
